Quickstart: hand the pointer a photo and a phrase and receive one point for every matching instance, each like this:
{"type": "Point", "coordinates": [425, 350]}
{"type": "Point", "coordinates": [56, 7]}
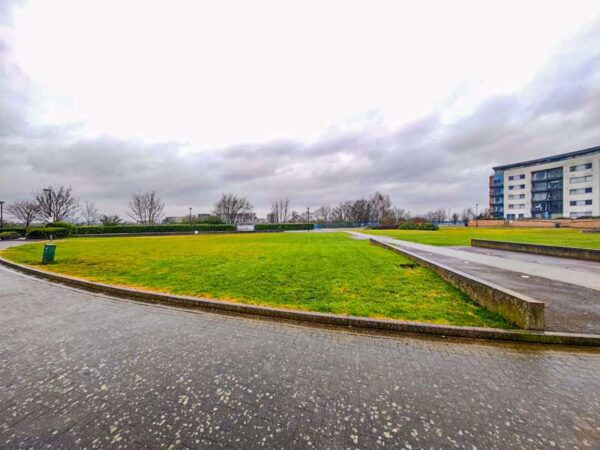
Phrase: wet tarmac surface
{"type": "Point", "coordinates": [80, 370]}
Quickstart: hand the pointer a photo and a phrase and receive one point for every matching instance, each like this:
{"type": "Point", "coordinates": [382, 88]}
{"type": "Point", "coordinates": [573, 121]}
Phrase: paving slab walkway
{"type": "Point", "coordinates": [81, 370]}
{"type": "Point", "coordinates": [580, 273]}
{"type": "Point", "coordinates": [570, 306]}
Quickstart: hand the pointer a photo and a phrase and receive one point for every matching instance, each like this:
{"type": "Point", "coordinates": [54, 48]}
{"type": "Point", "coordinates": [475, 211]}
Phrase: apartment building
{"type": "Point", "coordinates": [565, 185]}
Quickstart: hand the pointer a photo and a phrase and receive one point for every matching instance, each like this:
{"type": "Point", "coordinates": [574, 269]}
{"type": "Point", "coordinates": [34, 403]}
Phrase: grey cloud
{"type": "Point", "coordinates": [424, 164]}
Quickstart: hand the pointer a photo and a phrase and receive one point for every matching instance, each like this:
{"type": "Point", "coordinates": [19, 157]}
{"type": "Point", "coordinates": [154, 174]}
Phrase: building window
{"type": "Point", "coordinates": [516, 197]}
{"type": "Point", "coordinates": [516, 186]}
{"type": "Point", "coordinates": [579, 167]}
{"type": "Point", "coordinates": [580, 202]}
{"type": "Point", "coordinates": [516, 177]}
{"type": "Point", "coordinates": [517, 206]}
{"type": "Point", "coordinates": [575, 215]}
{"type": "Point", "coordinates": [575, 180]}
{"type": "Point", "coordinates": [579, 191]}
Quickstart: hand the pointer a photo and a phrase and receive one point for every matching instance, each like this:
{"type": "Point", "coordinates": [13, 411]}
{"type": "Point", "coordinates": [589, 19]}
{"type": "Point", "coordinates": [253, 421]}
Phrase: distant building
{"type": "Point", "coordinates": [565, 185]}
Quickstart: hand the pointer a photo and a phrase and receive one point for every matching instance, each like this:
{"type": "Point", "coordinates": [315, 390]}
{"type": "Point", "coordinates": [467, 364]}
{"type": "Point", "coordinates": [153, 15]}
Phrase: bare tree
{"type": "Point", "coordinates": [466, 216]}
{"type": "Point", "coordinates": [381, 206]}
{"type": "Point", "coordinates": [90, 213]}
{"type": "Point", "coordinates": [146, 207]}
{"type": "Point", "coordinates": [341, 213]}
{"type": "Point", "coordinates": [436, 215]}
{"type": "Point", "coordinates": [323, 214]}
{"type": "Point", "coordinates": [361, 211]}
{"type": "Point", "coordinates": [25, 211]}
{"type": "Point", "coordinates": [455, 218]}
{"type": "Point", "coordinates": [279, 211]}
{"type": "Point", "coordinates": [108, 220]}
{"type": "Point", "coordinates": [232, 208]}
{"type": "Point", "coordinates": [295, 217]}
{"type": "Point", "coordinates": [56, 203]}
{"type": "Point", "coordinates": [401, 214]}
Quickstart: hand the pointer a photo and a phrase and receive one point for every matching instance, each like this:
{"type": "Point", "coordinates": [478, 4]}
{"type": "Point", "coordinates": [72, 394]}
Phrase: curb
{"type": "Point", "coordinates": [584, 254]}
{"type": "Point", "coordinates": [356, 323]}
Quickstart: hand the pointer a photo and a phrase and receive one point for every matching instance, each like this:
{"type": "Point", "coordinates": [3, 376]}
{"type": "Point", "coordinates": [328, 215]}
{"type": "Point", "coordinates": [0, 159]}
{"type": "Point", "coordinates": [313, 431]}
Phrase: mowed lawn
{"type": "Point", "coordinates": [324, 272]}
{"type": "Point", "coordinates": [462, 236]}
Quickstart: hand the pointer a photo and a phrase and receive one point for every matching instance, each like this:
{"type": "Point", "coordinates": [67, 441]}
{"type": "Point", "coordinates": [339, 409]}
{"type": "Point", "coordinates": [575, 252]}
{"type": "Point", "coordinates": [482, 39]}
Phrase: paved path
{"type": "Point", "coordinates": [580, 273]}
{"type": "Point", "coordinates": [80, 370]}
{"type": "Point", "coordinates": [568, 307]}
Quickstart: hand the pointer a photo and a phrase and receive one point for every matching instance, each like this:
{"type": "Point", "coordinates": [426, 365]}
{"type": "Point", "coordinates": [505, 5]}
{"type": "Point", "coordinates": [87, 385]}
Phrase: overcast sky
{"type": "Point", "coordinates": [318, 101]}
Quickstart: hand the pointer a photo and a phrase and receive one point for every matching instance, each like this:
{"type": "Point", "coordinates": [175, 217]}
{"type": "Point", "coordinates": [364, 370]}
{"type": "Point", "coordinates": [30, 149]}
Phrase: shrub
{"type": "Point", "coordinates": [126, 229]}
{"type": "Point", "coordinates": [215, 220]}
{"type": "Point", "coordinates": [5, 235]}
{"type": "Point", "coordinates": [283, 226]}
{"type": "Point", "coordinates": [46, 232]}
{"type": "Point", "coordinates": [423, 226]}
{"type": "Point", "coordinates": [60, 224]}
{"type": "Point", "coordinates": [19, 231]}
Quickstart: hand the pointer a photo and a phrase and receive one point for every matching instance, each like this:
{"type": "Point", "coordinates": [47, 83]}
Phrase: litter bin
{"type": "Point", "coordinates": [48, 256]}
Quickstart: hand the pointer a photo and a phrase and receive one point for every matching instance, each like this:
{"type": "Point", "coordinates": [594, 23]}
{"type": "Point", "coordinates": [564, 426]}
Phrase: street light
{"type": "Point", "coordinates": [190, 215]}
{"type": "Point", "coordinates": [476, 215]}
{"type": "Point", "coordinates": [308, 215]}
{"type": "Point", "coordinates": [1, 215]}
{"type": "Point", "coordinates": [49, 192]}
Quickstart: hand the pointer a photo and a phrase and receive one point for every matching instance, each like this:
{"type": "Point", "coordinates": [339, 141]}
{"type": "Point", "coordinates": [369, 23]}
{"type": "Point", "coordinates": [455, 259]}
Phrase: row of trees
{"type": "Point", "coordinates": [58, 203]}
{"type": "Point", "coordinates": [147, 208]}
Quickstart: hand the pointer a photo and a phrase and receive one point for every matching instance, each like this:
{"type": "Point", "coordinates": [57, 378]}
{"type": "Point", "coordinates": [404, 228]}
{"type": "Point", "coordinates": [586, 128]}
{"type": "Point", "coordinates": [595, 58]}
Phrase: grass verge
{"type": "Point", "coordinates": [323, 272]}
{"type": "Point", "coordinates": [461, 236]}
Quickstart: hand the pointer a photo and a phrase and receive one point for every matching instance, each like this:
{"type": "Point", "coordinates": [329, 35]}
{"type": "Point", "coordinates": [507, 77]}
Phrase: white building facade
{"type": "Point", "coordinates": [566, 185]}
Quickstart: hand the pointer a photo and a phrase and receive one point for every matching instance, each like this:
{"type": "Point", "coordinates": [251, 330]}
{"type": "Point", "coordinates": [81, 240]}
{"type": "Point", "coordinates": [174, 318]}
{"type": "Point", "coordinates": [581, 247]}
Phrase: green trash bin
{"type": "Point", "coordinates": [48, 256]}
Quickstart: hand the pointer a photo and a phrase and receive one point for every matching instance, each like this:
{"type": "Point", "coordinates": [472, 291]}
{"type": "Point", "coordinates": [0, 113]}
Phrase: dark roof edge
{"type": "Point", "coordinates": [550, 159]}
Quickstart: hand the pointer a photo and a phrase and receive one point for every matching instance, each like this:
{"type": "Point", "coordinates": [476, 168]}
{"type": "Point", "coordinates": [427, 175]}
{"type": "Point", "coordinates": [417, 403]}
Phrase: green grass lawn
{"type": "Point", "coordinates": [325, 272]}
{"type": "Point", "coordinates": [463, 235]}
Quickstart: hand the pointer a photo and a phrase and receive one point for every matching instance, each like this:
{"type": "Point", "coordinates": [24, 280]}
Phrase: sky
{"type": "Point", "coordinates": [319, 102]}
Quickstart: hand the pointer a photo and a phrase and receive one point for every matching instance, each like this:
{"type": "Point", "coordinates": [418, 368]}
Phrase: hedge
{"type": "Point", "coordinates": [21, 231]}
{"type": "Point", "coordinates": [174, 228]}
{"type": "Point", "coordinates": [423, 226]}
{"type": "Point", "coordinates": [5, 235]}
{"type": "Point", "coordinates": [339, 225]}
{"type": "Point", "coordinates": [283, 226]}
{"type": "Point", "coordinates": [46, 232]}
{"type": "Point", "coordinates": [60, 224]}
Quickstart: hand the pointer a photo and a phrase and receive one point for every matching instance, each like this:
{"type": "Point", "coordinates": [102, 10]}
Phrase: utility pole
{"type": "Point", "coordinates": [190, 215]}
{"type": "Point", "coordinates": [476, 215]}
{"type": "Point", "coordinates": [308, 215]}
{"type": "Point", "coordinates": [1, 215]}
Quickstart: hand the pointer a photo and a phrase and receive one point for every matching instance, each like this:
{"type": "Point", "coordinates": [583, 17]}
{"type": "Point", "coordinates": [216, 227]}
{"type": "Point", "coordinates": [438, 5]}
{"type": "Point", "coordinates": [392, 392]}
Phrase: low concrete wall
{"type": "Point", "coordinates": [519, 309]}
{"type": "Point", "coordinates": [587, 254]}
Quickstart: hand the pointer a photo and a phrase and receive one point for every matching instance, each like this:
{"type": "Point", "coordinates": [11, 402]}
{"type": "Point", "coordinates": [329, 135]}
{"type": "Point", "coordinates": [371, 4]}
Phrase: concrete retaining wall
{"type": "Point", "coordinates": [587, 254]}
{"type": "Point", "coordinates": [519, 309]}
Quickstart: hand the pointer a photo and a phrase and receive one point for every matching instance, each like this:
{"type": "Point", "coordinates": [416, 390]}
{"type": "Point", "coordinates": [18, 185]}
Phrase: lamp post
{"type": "Point", "coordinates": [1, 215]}
{"type": "Point", "coordinates": [49, 192]}
{"type": "Point", "coordinates": [190, 215]}
{"type": "Point", "coordinates": [476, 215]}
{"type": "Point", "coordinates": [308, 215]}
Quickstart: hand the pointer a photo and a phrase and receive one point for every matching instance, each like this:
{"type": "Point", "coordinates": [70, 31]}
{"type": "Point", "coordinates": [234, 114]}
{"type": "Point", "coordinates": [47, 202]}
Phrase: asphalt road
{"type": "Point", "coordinates": [80, 370]}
